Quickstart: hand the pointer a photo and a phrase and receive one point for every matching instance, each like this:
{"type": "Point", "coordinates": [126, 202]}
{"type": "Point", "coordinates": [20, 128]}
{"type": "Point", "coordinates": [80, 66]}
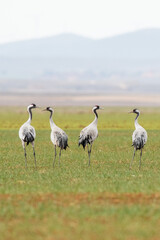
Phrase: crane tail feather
{"type": "Point", "coordinates": [138, 143]}
{"type": "Point", "coordinates": [83, 141]}
{"type": "Point", "coordinates": [28, 138]}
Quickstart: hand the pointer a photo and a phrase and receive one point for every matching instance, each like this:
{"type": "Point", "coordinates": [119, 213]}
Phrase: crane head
{"type": "Point", "coordinates": [48, 109]}
{"type": "Point", "coordinates": [32, 106]}
{"type": "Point", "coordinates": [96, 107]}
{"type": "Point", "coordinates": [135, 111]}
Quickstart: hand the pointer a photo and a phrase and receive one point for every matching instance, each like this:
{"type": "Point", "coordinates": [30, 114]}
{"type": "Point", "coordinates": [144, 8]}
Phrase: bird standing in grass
{"type": "Point", "coordinates": [58, 137]}
{"type": "Point", "coordinates": [139, 137]}
{"type": "Point", "coordinates": [89, 133]}
{"type": "Point", "coordinates": [27, 133]}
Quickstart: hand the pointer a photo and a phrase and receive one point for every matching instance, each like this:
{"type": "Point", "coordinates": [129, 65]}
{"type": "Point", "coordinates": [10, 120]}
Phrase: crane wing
{"type": "Point", "coordinates": [139, 138]}
{"type": "Point", "coordinates": [87, 136]}
{"type": "Point", "coordinates": [59, 138]}
{"type": "Point", "coordinates": [27, 133]}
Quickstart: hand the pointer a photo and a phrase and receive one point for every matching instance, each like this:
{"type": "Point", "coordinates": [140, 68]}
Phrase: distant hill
{"type": "Point", "coordinates": [127, 62]}
{"type": "Point", "coordinates": [141, 44]}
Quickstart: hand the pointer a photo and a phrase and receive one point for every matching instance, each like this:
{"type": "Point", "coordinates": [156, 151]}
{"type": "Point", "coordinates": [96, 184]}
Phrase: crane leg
{"type": "Point", "coordinates": [132, 158]}
{"type": "Point", "coordinates": [89, 153]}
{"type": "Point", "coordinates": [54, 156]}
{"type": "Point", "coordinates": [25, 154]}
{"type": "Point", "coordinates": [34, 155]}
{"type": "Point", "coordinates": [140, 159]}
{"type": "Point", "coordinates": [59, 157]}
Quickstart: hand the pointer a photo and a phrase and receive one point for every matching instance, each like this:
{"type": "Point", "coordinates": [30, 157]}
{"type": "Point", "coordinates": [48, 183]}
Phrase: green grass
{"type": "Point", "coordinates": [74, 201]}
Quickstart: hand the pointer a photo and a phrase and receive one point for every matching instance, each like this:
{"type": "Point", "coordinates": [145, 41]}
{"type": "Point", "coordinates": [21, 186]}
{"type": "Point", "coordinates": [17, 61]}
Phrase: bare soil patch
{"type": "Point", "coordinates": [84, 198]}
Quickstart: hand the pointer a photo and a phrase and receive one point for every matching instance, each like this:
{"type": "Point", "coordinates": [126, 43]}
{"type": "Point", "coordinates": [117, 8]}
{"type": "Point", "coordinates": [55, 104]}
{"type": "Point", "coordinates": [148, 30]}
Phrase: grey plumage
{"type": "Point", "coordinates": [28, 137]}
{"type": "Point", "coordinates": [87, 137]}
{"type": "Point", "coordinates": [89, 133]}
{"type": "Point", "coordinates": [139, 137]}
{"type": "Point", "coordinates": [61, 139]}
{"type": "Point", "coordinates": [139, 140]}
{"type": "Point", "coordinates": [27, 133]}
{"type": "Point", "coordinates": [58, 137]}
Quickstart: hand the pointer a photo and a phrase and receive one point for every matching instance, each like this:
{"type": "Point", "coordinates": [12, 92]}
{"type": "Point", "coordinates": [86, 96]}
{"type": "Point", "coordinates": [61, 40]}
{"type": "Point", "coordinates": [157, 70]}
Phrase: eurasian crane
{"type": "Point", "coordinates": [89, 133]}
{"type": "Point", "coordinates": [27, 133]}
{"type": "Point", "coordinates": [58, 137]}
{"type": "Point", "coordinates": [139, 137]}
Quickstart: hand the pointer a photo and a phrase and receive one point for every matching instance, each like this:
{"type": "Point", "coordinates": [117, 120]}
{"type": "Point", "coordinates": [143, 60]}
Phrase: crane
{"type": "Point", "coordinates": [27, 133]}
{"type": "Point", "coordinates": [58, 137]}
{"type": "Point", "coordinates": [89, 133]}
{"type": "Point", "coordinates": [139, 137]}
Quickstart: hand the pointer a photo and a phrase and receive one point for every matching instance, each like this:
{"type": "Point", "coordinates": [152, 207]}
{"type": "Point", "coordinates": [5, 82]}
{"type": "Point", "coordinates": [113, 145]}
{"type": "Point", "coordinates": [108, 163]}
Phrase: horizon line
{"type": "Point", "coordinates": [79, 35]}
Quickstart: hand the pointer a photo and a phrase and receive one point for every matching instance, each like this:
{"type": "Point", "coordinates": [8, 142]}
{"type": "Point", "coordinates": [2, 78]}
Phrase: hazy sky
{"type": "Point", "coordinates": [22, 19]}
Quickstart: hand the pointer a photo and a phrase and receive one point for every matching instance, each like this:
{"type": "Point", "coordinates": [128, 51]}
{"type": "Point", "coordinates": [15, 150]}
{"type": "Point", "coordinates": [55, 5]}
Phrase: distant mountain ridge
{"type": "Point", "coordinates": [66, 61]}
{"type": "Point", "coordinates": [140, 44]}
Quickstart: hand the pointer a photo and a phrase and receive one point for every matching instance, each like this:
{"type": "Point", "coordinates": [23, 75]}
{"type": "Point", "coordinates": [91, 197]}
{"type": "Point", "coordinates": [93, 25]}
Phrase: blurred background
{"type": "Point", "coordinates": [58, 52]}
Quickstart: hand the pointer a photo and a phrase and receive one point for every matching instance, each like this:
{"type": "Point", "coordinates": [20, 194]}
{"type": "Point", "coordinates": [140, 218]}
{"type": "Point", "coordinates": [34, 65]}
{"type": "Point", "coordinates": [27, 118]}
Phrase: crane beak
{"type": "Point", "coordinates": [44, 109]}
{"type": "Point", "coordinates": [101, 108]}
{"type": "Point", "coordinates": [130, 112]}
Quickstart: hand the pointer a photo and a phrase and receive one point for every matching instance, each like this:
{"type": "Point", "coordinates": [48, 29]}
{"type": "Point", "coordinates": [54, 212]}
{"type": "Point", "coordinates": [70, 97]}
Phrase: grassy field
{"type": "Point", "coordinates": [74, 201]}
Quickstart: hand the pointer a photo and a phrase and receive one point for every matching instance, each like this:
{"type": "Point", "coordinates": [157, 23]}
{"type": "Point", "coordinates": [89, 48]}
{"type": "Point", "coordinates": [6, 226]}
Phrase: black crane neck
{"type": "Point", "coordinates": [137, 116]}
{"type": "Point", "coordinates": [95, 112]}
{"type": "Point", "coordinates": [30, 113]}
{"type": "Point", "coordinates": [51, 113]}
